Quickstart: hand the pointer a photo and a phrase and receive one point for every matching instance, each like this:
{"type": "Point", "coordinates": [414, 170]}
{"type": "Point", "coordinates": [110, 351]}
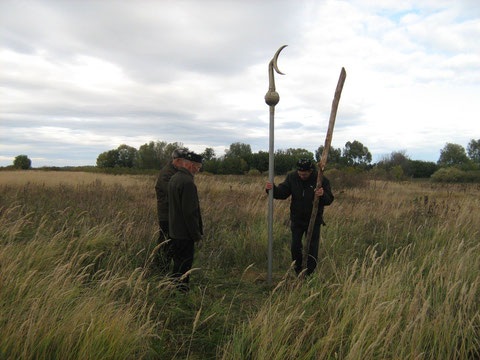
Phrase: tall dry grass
{"type": "Point", "coordinates": [398, 279]}
{"type": "Point", "coordinates": [53, 178]}
{"type": "Point", "coordinates": [74, 263]}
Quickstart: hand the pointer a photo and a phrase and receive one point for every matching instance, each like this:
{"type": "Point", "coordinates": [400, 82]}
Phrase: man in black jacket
{"type": "Point", "coordinates": [164, 257]}
{"type": "Point", "coordinates": [300, 184]}
{"type": "Point", "coordinates": [185, 219]}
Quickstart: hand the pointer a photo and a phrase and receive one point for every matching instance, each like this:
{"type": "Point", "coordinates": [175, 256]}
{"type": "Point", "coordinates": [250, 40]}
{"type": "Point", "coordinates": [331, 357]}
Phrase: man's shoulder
{"type": "Point", "coordinates": [168, 169]}
{"type": "Point", "coordinates": [181, 176]}
{"type": "Point", "coordinates": [292, 174]}
{"type": "Point", "coordinates": [166, 173]}
{"type": "Point", "coordinates": [290, 178]}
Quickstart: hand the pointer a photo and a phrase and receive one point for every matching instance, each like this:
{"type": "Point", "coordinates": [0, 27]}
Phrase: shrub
{"type": "Point", "coordinates": [396, 173]}
{"type": "Point", "coordinates": [449, 175]}
{"type": "Point", "coordinates": [378, 173]}
{"type": "Point", "coordinates": [253, 172]}
{"type": "Point", "coordinates": [455, 175]}
{"type": "Point", "coordinates": [473, 176]}
{"type": "Point", "coordinates": [421, 169]}
{"type": "Point", "coordinates": [348, 178]}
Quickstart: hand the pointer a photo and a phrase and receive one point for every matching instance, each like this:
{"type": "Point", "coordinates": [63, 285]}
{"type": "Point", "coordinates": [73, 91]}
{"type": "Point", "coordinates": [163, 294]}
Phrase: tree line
{"type": "Point", "coordinates": [239, 159]}
{"type": "Point", "coordinates": [454, 164]}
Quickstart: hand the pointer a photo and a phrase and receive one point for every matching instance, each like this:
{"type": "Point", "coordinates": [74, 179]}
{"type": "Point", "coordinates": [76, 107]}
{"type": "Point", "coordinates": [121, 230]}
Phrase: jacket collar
{"type": "Point", "coordinates": [182, 169]}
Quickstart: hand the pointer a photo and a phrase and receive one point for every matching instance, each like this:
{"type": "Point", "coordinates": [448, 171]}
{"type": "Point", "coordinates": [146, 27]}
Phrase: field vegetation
{"type": "Point", "coordinates": [398, 274]}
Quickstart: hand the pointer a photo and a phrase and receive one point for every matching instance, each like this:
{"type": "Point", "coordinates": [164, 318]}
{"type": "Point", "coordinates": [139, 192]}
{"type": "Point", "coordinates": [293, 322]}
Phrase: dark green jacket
{"type": "Point", "coordinates": [302, 193]}
{"type": "Point", "coordinates": [185, 219]}
{"type": "Point", "coordinates": [161, 188]}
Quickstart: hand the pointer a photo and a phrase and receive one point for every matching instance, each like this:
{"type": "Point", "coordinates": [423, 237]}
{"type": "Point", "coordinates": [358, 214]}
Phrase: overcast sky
{"type": "Point", "coordinates": [78, 78]}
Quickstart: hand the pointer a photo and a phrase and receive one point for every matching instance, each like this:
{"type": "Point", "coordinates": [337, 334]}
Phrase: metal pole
{"type": "Point", "coordinates": [271, 176]}
{"type": "Point", "coordinates": [271, 98]}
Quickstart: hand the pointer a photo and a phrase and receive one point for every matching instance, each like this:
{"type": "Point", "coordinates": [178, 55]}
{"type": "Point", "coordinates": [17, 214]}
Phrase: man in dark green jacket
{"type": "Point", "coordinates": [184, 216]}
{"type": "Point", "coordinates": [164, 257]}
{"type": "Point", "coordinates": [301, 184]}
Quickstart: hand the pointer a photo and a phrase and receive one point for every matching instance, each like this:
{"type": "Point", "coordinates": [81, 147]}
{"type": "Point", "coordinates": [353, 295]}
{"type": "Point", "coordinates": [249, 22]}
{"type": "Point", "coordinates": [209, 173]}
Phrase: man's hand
{"type": "Point", "coordinates": [319, 192]}
{"type": "Point", "coordinates": [269, 186]}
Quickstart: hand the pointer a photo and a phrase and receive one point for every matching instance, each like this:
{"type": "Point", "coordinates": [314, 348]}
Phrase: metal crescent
{"type": "Point", "coordinates": [275, 58]}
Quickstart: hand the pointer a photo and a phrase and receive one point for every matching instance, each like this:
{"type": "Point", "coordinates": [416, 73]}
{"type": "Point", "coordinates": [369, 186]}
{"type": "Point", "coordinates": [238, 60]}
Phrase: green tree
{"type": "Point", "coordinates": [108, 159]}
{"type": "Point", "coordinates": [165, 152]}
{"type": "Point", "coordinates": [238, 149]}
{"type": "Point", "coordinates": [284, 161]}
{"type": "Point", "coordinates": [355, 153]}
{"type": "Point", "coordinates": [260, 161]}
{"type": "Point", "coordinates": [452, 155]}
{"type": "Point", "coordinates": [396, 158]}
{"type": "Point", "coordinates": [473, 150]}
{"type": "Point", "coordinates": [334, 155]}
{"type": "Point", "coordinates": [421, 169]}
{"type": "Point", "coordinates": [299, 153]}
{"type": "Point", "coordinates": [234, 165]}
{"type": "Point", "coordinates": [399, 158]}
{"type": "Point", "coordinates": [241, 151]}
{"type": "Point", "coordinates": [213, 166]}
{"type": "Point", "coordinates": [127, 156]}
{"type": "Point", "coordinates": [22, 162]}
{"type": "Point", "coordinates": [208, 154]}
{"type": "Point", "coordinates": [152, 155]}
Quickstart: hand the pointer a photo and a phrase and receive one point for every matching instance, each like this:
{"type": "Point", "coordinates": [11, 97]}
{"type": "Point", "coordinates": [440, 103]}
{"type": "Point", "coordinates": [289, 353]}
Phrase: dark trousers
{"type": "Point", "coordinates": [296, 247]}
{"type": "Point", "coordinates": [165, 254]}
{"type": "Point", "coordinates": [183, 250]}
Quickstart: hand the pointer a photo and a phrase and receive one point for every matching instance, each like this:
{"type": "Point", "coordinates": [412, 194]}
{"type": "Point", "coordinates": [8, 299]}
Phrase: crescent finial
{"type": "Point", "coordinates": [275, 59]}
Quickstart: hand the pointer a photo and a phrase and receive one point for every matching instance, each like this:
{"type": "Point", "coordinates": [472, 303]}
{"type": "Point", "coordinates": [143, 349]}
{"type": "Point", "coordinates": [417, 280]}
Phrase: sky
{"type": "Point", "coordinates": [80, 77]}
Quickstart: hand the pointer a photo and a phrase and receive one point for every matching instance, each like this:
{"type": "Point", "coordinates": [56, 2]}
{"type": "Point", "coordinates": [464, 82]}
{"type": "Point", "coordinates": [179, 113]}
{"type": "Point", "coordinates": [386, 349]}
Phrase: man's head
{"type": "Point", "coordinates": [192, 162]}
{"type": "Point", "coordinates": [304, 168]}
{"type": "Point", "coordinates": [178, 156]}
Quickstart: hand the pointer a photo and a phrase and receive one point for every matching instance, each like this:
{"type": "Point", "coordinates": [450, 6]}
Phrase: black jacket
{"type": "Point", "coordinates": [161, 188]}
{"type": "Point", "coordinates": [302, 197]}
{"type": "Point", "coordinates": [185, 219]}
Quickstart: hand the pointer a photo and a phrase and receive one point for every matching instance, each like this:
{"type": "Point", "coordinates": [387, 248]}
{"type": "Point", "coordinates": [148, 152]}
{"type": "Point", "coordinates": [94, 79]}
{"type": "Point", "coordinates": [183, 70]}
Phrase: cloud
{"type": "Point", "coordinates": [82, 77]}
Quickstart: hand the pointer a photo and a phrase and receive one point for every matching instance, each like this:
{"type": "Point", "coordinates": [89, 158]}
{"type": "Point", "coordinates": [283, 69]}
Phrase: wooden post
{"type": "Point", "coordinates": [322, 163]}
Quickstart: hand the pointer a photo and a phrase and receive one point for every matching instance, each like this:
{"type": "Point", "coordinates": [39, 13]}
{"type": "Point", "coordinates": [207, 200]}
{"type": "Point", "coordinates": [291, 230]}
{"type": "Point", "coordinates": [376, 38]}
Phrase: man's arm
{"type": "Point", "coordinates": [282, 191]}
{"type": "Point", "coordinates": [158, 185]}
{"type": "Point", "coordinates": [191, 211]}
{"type": "Point", "coordinates": [161, 186]}
{"type": "Point", "coordinates": [327, 197]}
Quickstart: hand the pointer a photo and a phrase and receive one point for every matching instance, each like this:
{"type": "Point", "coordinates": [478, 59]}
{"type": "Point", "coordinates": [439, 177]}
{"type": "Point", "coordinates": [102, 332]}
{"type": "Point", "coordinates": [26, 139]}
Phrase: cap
{"type": "Point", "coordinates": [193, 157]}
{"type": "Point", "coordinates": [304, 164]}
{"type": "Point", "coordinates": [179, 153]}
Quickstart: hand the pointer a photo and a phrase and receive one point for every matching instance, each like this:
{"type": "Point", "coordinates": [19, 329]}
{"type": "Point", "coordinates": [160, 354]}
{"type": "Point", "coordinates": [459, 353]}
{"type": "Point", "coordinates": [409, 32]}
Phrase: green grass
{"type": "Point", "coordinates": [398, 274]}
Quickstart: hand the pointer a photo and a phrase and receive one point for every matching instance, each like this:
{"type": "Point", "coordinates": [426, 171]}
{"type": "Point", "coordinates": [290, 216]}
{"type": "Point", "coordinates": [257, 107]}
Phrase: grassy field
{"type": "Point", "coordinates": [398, 275]}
